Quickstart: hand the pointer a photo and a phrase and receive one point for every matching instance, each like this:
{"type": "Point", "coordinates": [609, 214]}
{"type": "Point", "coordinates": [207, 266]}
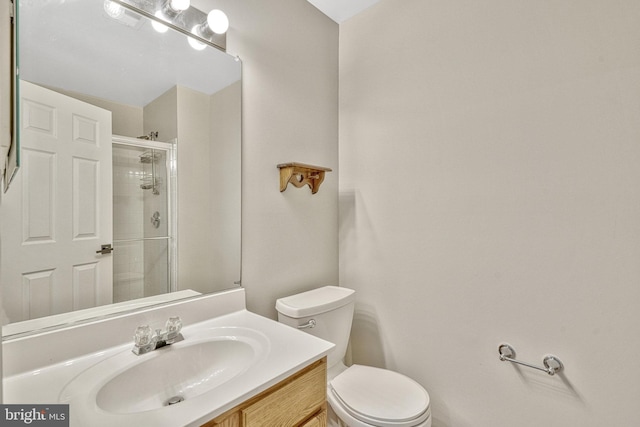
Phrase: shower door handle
{"type": "Point", "coordinates": [106, 249]}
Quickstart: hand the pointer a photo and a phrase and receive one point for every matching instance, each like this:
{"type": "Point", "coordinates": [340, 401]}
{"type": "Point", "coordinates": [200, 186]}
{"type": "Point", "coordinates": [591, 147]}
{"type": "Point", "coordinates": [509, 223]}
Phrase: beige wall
{"type": "Point", "coordinates": [289, 53]}
{"type": "Point", "coordinates": [489, 192]}
{"type": "Point", "coordinates": [225, 183]}
{"type": "Point", "coordinates": [161, 115]}
{"type": "Point", "coordinates": [194, 191]}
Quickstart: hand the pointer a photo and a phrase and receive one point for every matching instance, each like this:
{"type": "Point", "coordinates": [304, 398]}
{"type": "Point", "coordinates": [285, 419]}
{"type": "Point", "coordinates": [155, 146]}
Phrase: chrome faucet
{"type": "Point", "coordinates": [145, 340]}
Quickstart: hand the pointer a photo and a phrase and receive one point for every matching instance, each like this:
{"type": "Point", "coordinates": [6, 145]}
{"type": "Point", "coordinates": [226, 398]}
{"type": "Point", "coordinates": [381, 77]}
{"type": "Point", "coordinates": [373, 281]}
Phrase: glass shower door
{"type": "Point", "coordinates": [142, 229]}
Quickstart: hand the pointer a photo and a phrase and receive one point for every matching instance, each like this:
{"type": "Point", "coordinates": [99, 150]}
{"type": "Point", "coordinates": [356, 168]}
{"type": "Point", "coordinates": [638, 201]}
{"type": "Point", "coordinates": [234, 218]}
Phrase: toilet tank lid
{"type": "Point", "coordinates": [315, 301]}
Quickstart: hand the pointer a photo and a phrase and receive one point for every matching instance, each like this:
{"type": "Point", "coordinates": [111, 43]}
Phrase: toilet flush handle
{"type": "Point", "coordinates": [309, 325]}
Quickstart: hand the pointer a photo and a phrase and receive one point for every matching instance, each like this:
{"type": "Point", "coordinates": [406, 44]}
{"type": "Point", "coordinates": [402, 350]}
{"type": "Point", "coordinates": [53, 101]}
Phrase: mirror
{"type": "Point", "coordinates": [168, 204]}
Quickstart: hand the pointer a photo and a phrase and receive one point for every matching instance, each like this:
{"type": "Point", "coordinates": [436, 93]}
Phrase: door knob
{"type": "Point", "coordinates": [106, 249]}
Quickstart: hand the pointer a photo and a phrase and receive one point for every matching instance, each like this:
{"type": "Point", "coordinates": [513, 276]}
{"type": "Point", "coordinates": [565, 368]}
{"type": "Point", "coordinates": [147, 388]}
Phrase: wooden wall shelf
{"type": "Point", "coordinates": [300, 174]}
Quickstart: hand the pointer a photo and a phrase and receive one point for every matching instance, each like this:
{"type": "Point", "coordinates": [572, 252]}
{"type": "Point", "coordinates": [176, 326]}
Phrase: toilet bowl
{"type": "Point", "coordinates": [360, 396]}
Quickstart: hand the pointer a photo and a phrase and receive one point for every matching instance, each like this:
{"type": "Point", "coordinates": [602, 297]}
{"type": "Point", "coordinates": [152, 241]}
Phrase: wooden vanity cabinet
{"type": "Point", "coordinates": [298, 401]}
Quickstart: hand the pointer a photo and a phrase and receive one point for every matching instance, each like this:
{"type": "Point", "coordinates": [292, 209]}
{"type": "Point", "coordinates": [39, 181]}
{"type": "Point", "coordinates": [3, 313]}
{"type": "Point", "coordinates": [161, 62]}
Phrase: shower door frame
{"type": "Point", "coordinates": [172, 197]}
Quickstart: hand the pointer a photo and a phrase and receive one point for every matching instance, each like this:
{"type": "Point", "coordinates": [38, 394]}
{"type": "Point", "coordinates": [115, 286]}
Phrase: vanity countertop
{"type": "Point", "coordinates": [284, 351]}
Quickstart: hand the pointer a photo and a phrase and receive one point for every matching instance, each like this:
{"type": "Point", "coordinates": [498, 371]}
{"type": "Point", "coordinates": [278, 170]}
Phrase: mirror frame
{"type": "Point", "coordinates": [9, 121]}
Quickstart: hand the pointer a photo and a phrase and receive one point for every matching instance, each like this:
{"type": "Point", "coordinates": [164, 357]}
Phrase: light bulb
{"type": "Point", "coordinates": [113, 9]}
{"type": "Point", "coordinates": [161, 28]}
{"type": "Point", "coordinates": [218, 21]}
{"type": "Point", "coordinates": [179, 5]}
{"type": "Point", "coordinates": [195, 43]}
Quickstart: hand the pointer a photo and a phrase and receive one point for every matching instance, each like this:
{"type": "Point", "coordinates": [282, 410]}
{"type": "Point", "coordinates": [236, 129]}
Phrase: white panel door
{"type": "Point", "coordinates": [59, 211]}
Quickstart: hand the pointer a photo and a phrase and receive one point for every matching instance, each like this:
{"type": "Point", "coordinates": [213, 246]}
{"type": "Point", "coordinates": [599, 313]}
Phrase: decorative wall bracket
{"type": "Point", "coordinates": [300, 174]}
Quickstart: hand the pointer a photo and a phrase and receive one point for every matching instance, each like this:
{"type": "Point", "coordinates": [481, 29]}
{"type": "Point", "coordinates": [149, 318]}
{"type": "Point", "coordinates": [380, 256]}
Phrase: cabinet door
{"type": "Point", "coordinates": [291, 404]}
{"type": "Point", "coordinates": [232, 420]}
{"type": "Point", "coordinates": [298, 401]}
{"type": "Point", "coordinates": [319, 420]}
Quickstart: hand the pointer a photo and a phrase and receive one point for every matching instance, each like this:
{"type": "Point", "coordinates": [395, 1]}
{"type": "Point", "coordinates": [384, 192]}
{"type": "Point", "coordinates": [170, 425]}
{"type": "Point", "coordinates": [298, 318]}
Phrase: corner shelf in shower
{"type": "Point", "coordinates": [300, 174]}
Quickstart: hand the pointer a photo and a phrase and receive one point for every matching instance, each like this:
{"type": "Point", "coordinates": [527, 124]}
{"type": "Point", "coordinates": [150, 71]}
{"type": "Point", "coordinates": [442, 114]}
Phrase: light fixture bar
{"type": "Point", "coordinates": [183, 23]}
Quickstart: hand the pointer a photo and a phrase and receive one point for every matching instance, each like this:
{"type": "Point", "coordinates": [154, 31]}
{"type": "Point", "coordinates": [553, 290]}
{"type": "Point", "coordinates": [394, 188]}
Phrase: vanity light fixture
{"type": "Point", "coordinates": [169, 10]}
{"type": "Point", "coordinates": [201, 28]}
{"type": "Point", "coordinates": [161, 28]}
{"type": "Point", "coordinates": [113, 9]}
{"type": "Point", "coordinates": [217, 21]}
{"type": "Point", "coordinates": [174, 7]}
{"type": "Point", "coordinates": [117, 11]}
{"type": "Point", "coordinates": [195, 43]}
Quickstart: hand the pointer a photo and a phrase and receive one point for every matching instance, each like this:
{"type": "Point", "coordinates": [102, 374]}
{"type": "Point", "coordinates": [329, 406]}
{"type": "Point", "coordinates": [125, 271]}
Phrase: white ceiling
{"type": "Point", "coordinates": [341, 10]}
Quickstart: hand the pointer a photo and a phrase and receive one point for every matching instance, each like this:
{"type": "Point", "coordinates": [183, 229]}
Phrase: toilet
{"type": "Point", "coordinates": [360, 396]}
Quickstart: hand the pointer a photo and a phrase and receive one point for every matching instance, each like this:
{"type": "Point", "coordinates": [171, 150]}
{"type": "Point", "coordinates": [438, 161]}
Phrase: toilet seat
{"type": "Point", "coordinates": [379, 397]}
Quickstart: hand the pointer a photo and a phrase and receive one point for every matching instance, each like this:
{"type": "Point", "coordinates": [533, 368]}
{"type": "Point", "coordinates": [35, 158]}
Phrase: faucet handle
{"type": "Point", "coordinates": [143, 336]}
{"type": "Point", "coordinates": [173, 326]}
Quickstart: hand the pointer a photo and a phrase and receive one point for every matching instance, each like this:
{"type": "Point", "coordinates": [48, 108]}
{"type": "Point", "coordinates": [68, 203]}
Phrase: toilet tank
{"type": "Point", "coordinates": [331, 307]}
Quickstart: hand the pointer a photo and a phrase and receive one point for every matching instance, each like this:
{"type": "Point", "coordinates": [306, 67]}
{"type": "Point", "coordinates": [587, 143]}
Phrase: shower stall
{"type": "Point", "coordinates": [144, 218]}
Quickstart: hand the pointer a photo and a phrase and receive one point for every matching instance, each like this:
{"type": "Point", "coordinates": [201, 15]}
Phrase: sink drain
{"type": "Point", "coordinates": [174, 400]}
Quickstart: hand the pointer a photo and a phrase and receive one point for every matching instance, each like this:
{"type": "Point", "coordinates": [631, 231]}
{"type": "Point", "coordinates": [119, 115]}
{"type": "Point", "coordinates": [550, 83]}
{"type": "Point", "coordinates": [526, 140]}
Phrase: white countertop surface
{"type": "Point", "coordinates": [288, 351]}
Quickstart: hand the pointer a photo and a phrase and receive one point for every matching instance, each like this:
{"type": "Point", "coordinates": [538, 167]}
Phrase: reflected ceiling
{"type": "Point", "coordinates": [152, 75]}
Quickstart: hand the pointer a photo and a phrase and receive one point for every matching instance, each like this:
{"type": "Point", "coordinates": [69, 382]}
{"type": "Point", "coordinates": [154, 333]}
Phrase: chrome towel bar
{"type": "Point", "coordinates": [551, 363]}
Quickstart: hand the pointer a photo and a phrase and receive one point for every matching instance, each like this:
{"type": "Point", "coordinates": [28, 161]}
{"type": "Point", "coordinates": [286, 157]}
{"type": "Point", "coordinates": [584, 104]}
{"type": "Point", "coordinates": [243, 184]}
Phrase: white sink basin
{"type": "Point", "coordinates": [129, 384]}
{"type": "Point", "coordinates": [176, 373]}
